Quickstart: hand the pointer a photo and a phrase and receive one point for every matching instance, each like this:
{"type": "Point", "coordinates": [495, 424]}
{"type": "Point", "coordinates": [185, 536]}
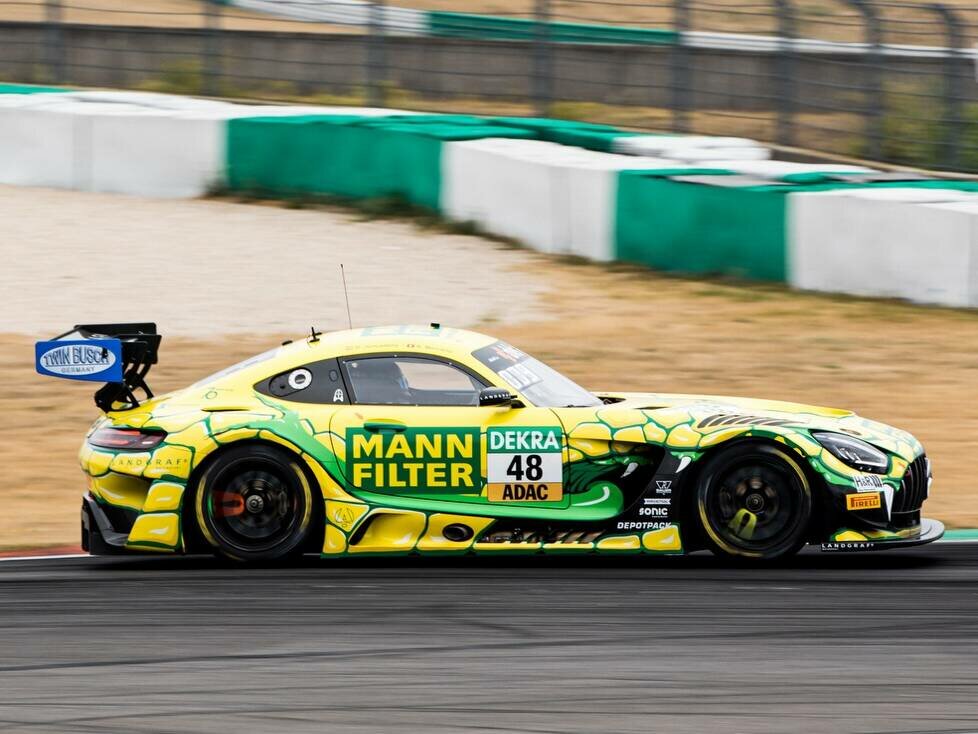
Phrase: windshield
{"type": "Point", "coordinates": [544, 386]}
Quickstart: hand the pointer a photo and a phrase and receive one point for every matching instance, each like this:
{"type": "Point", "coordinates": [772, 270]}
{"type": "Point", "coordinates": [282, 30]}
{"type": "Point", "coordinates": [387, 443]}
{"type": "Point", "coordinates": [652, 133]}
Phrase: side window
{"type": "Point", "coordinates": [317, 382]}
{"type": "Point", "coordinates": [410, 381]}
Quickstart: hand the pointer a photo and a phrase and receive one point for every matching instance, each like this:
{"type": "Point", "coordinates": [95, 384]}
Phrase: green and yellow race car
{"type": "Point", "coordinates": [434, 440]}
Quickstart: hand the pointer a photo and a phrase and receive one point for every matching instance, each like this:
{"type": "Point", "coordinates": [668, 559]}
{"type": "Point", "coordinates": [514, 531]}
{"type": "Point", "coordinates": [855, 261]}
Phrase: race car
{"type": "Point", "coordinates": [436, 440]}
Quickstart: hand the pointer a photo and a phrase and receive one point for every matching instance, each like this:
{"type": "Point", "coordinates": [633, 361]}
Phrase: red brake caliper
{"type": "Point", "coordinates": [229, 504]}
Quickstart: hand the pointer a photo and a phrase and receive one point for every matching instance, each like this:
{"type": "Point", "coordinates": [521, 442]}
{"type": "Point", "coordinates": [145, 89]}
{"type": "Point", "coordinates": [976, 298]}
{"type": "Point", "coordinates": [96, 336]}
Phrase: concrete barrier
{"type": "Point", "coordinates": [713, 205]}
{"type": "Point", "coordinates": [692, 148]}
{"type": "Point", "coordinates": [777, 170]}
{"type": "Point", "coordinates": [911, 243]}
{"type": "Point", "coordinates": [553, 198]}
{"type": "Point", "coordinates": [36, 146]}
{"type": "Point", "coordinates": [156, 154]}
{"type": "Point", "coordinates": [138, 143]}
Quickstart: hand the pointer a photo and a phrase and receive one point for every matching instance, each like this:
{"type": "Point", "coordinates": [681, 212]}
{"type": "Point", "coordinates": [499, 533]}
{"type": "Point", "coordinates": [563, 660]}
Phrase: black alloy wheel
{"type": "Point", "coordinates": [254, 503]}
{"type": "Point", "coordinates": [754, 501]}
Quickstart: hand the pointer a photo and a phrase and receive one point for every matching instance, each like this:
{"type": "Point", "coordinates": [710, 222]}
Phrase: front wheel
{"type": "Point", "coordinates": [254, 503]}
{"type": "Point", "coordinates": [754, 501]}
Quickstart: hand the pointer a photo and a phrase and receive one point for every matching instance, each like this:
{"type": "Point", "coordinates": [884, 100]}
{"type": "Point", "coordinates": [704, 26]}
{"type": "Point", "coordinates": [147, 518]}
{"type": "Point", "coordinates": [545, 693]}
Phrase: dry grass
{"type": "Point", "coordinates": [609, 327]}
{"type": "Point", "coordinates": [160, 14]}
{"type": "Point", "coordinates": [826, 19]}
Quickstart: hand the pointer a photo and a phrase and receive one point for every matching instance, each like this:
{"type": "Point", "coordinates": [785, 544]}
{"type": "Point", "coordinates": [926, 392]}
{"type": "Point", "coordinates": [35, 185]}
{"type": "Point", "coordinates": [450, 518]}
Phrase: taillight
{"type": "Point", "coordinates": [126, 439]}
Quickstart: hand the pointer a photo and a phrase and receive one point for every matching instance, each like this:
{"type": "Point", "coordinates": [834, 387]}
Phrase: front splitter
{"type": "Point", "coordinates": [930, 530]}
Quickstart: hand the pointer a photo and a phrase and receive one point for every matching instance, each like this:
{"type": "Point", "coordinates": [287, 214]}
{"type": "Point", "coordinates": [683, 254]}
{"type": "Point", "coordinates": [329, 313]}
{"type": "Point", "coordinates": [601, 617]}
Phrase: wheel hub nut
{"type": "Point", "coordinates": [755, 502]}
{"type": "Point", "coordinates": [255, 504]}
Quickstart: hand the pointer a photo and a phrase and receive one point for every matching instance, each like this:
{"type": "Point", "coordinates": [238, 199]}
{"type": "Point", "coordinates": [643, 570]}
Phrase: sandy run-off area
{"type": "Point", "coordinates": [201, 268]}
{"type": "Point", "coordinates": [226, 280]}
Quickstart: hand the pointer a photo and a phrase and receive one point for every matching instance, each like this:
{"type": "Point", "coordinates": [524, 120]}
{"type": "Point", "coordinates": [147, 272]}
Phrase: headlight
{"type": "Point", "coordinates": [854, 452]}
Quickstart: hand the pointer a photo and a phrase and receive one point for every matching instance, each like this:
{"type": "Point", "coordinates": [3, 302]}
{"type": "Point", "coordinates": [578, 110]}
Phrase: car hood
{"type": "Point", "coordinates": [714, 411]}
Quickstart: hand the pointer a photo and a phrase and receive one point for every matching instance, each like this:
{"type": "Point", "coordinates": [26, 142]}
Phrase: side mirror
{"type": "Point", "coordinates": [495, 396]}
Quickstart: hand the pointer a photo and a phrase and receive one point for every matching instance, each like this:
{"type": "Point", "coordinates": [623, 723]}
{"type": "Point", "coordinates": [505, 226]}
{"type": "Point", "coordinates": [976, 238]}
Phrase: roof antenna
{"type": "Point", "coordinates": [314, 335]}
{"type": "Point", "coordinates": [346, 294]}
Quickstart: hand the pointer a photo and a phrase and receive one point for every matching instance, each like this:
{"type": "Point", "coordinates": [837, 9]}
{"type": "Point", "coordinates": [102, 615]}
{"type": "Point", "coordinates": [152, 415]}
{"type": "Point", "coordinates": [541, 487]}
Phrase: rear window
{"type": "Point", "coordinates": [245, 364]}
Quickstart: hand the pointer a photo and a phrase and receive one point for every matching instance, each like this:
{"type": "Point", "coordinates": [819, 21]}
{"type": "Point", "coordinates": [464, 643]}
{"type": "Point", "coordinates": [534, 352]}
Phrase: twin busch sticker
{"type": "Point", "coordinates": [96, 360]}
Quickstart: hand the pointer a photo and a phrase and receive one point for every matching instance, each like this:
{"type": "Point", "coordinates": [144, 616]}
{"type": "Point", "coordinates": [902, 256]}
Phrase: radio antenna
{"type": "Point", "coordinates": [346, 294]}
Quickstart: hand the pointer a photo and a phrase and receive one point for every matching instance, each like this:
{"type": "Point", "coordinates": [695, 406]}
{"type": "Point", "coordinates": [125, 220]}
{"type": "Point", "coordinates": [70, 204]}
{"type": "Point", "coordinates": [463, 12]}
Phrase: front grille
{"type": "Point", "coordinates": [913, 492]}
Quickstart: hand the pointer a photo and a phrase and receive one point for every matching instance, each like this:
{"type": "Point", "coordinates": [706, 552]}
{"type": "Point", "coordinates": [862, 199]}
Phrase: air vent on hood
{"type": "Point", "coordinates": [726, 419]}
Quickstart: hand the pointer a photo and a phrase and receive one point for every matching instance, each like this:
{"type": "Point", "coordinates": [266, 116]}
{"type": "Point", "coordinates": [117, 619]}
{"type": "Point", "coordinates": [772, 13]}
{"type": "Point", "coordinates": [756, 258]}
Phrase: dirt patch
{"type": "Point", "coordinates": [165, 14]}
{"type": "Point", "coordinates": [217, 267]}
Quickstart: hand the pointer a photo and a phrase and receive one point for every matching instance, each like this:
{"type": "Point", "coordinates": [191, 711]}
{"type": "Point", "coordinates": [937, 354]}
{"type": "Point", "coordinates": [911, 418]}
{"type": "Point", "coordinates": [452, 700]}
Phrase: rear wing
{"type": "Point", "coordinates": [120, 355]}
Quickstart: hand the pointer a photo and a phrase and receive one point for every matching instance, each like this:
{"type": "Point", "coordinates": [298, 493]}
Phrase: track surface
{"type": "Point", "coordinates": [880, 642]}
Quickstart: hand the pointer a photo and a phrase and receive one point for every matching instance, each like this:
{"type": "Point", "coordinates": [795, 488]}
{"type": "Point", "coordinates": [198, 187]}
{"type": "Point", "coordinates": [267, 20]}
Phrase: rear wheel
{"type": "Point", "coordinates": [754, 501]}
{"type": "Point", "coordinates": [254, 503]}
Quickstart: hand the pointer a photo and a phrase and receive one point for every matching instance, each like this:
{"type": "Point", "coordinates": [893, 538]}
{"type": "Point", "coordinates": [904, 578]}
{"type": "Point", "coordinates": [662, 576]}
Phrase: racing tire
{"type": "Point", "coordinates": [254, 503]}
{"type": "Point", "coordinates": [754, 501]}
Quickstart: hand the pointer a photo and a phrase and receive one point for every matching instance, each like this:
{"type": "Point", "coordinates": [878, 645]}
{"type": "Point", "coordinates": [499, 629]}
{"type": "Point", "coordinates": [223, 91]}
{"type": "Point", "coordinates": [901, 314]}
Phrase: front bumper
{"type": "Point", "coordinates": [930, 530]}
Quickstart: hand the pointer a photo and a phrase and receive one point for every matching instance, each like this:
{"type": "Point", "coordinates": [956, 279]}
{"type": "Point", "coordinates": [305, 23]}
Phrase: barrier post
{"type": "Point", "coordinates": [786, 74]}
{"type": "Point", "coordinates": [953, 87]}
{"type": "Point", "coordinates": [56, 41]}
{"type": "Point", "coordinates": [543, 71]}
{"type": "Point", "coordinates": [681, 72]}
{"type": "Point", "coordinates": [873, 92]}
{"type": "Point", "coordinates": [376, 54]}
{"type": "Point", "coordinates": [211, 61]}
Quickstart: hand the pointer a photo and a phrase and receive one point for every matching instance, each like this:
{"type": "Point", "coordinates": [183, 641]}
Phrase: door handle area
{"type": "Point", "coordinates": [384, 426]}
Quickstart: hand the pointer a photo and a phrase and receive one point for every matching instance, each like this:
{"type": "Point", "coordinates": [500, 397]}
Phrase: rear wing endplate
{"type": "Point", "coordinates": [120, 355]}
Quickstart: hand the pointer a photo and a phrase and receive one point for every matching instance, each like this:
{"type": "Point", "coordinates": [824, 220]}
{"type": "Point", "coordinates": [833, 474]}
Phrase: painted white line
{"type": "Point", "coordinates": [43, 558]}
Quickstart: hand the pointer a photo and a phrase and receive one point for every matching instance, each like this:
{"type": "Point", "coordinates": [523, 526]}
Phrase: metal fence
{"type": "Point", "coordinates": [886, 81]}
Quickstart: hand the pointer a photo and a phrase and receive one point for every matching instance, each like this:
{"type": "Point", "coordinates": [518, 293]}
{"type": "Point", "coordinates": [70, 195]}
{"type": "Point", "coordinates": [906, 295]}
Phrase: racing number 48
{"type": "Point", "coordinates": [531, 469]}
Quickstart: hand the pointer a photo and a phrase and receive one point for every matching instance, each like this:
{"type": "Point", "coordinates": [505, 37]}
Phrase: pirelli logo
{"type": "Point", "coordinates": [864, 501]}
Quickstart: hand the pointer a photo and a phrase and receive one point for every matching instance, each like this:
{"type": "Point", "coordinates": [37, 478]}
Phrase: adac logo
{"type": "Point", "coordinates": [77, 359]}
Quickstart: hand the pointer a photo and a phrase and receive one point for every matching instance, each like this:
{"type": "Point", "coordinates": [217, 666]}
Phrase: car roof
{"type": "Point", "coordinates": [450, 343]}
{"type": "Point", "coordinates": [433, 338]}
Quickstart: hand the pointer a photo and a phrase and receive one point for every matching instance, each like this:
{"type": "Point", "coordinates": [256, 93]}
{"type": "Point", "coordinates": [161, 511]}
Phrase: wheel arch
{"type": "Point", "coordinates": [688, 512]}
{"type": "Point", "coordinates": [193, 538]}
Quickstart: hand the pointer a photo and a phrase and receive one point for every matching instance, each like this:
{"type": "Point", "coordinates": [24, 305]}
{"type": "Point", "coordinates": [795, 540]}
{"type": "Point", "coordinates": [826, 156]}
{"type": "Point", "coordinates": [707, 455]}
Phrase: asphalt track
{"type": "Point", "coordinates": [879, 642]}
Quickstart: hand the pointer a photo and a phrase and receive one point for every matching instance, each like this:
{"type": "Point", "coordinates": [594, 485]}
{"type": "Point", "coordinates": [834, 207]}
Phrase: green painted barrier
{"type": "Point", "coordinates": [693, 228]}
{"type": "Point", "coordinates": [353, 157]}
{"type": "Point", "coordinates": [29, 89]}
{"type": "Point", "coordinates": [688, 227]}
{"type": "Point", "coordinates": [498, 28]}
{"type": "Point", "coordinates": [568, 132]}
{"type": "Point", "coordinates": [961, 534]}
